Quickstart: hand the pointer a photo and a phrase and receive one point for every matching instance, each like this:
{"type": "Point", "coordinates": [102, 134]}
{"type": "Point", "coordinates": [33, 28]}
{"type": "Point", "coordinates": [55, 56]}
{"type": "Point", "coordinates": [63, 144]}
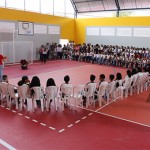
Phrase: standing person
{"type": "Point", "coordinates": [41, 52]}
{"type": "Point", "coordinates": [2, 58]}
{"type": "Point", "coordinates": [45, 54]}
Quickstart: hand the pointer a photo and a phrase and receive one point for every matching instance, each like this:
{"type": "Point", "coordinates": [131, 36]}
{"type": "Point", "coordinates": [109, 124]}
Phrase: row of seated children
{"type": "Point", "coordinates": [35, 82]}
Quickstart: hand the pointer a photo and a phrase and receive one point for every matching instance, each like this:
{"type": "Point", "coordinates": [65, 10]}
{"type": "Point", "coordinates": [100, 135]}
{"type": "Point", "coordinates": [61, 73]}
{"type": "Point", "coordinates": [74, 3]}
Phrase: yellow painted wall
{"type": "Point", "coordinates": [67, 24]}
{"type": "Point", "coordinates": [72, 29]}
{"type": "Point", "coordinates": [81, 24]}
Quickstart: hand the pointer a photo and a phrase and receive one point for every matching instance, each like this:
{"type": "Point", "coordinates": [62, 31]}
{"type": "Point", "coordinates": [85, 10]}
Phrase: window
{"type": "Point", "coordinates": [59, 7]}
{"type": "Point", "coordinates": [47, 6]}
{"type": "Point", "coordinates": [32, 5]}
{"type": "Point", "coordinates": [53, 29]}
{"type": "Point", "coordinates": [8, 27]}
{"type": "Point", "coordinates": [18, 4]}
{"type": "Point", "coordinates": [69, 9]}
{"type": "Point", "coordinates": [40, 29]}
{"type": "Point", "coordinates": [2, 3]}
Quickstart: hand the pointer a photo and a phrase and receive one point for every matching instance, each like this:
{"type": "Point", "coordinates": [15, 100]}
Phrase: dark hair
{"type": "Point", "coordinates": [111, 77]}
{"type": "Point", "coordinates": [24, 79]}
{"type": "Point", "coordinates": [139, 69]}
{"type": "Point", "coordinates": [129, 73]}
{"type": "Point", "coordinates": [118, 76]}
{"type": "Point", "coordinates": [35, 82]}
{"type": "Point", "coordinates": [20, 83]}
{"type": "Point", "coordinates": [92, 78]}
{"type": "Point", "coordinates": [134, 71]}
{"type": "Point", "coordinates": [66, 79]}
{"type": "Point", "coordinates": [50, 82]}
{"type": "Point", "coordinates": [102, 76]}
{"type": "Point", "coordinates": [4, 77]}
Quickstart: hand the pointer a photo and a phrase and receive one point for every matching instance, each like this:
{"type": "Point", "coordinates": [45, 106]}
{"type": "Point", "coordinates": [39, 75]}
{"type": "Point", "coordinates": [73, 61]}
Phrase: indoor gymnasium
{"type": "Point", "coordinates": [74, 74]}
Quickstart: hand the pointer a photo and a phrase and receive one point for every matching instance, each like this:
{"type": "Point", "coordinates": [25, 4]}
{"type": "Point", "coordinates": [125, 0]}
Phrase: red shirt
{"type": "Point", "coordinates": [1, 59]}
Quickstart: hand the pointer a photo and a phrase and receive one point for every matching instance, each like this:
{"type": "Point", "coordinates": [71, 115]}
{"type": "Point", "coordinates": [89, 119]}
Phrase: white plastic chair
{"type": "Point", "coordinates": [145, 81]}
{"type": "Point", "coordinates": [12, 95]}
{"type": "Point", "coordinates": [133, 84]}
{"type": "Point", "coordinates": [78, 92]}
{"type": "Point", "coordinates": [126, 86]}
{"type": "Point", "coordinates": [118, 93]}
{"type": "Point", "coordinates": [37, 95]}
{"type": "Point", "coordinates": [139, 82]}
{"type": "Point", "coordinates": [23, 94]}
{"type": "Point", "coordinates": [66, 94]}
{"type": "Point", "coordinates": [3, 92]}
{"type": "Point", "coordinates": [110, 91]}
{"type": "Point", "coordinates": [51, 93]}
{"type": "Point", "coordinates": [90, 93]}
{"type": "Point", "coordinates": [101, 92]}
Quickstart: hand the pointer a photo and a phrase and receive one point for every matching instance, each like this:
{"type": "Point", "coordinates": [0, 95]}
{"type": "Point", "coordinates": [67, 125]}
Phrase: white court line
{"type": "Point", "coordinates": [145, 125]}
{"type": "Point", "coordinates": [61, 130]}
{"type": "Point", "coordinates": [43, 124]}
{"type": "Point", "coordinates": [134, 122]}
{"type": "Point", "coordinates": [52, 128]}
{"type": "Point", "coordinates": [104, 106]}
{"type": "Point", "coordinates": [70, 125]}
{"type": "Point", "coordinates": [27, 117]}
{"type": "Point", "coordinates": [53, 71]}
{"type": "Point", "coordinates": [20, 114]}
{"type": "Point", "coordinates": [13, 111]}
{"type": "Point", "coordinates": [77, 121]}
{"type": "Point", "coordinates": [90, 114]}
{"type": "Point", "coordinates": [34, 120]}
{"type": "Point", "coordinates": [6, 145]}
{"type": "Point", "coordinates": [84, 117]}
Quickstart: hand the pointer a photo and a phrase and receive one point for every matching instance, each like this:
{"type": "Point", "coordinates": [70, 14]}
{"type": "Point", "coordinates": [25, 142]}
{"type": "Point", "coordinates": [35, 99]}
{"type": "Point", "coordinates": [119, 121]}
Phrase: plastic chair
{"type": "Point", "coordinates": [23, 94]}
{"type": "Point", "coordinates": [118, 93]}
{"type": "Point", "coordinates": [78, 92]}
{"type": "Point", "coordinates": [3, 92]}
{"type": "Point", "coordinates": [90, 93]}
{"type": "Point", "coordinates": [12, 95]}
{"type": "Point", "coordinates": [66, 94]}
{"type": "Point", "coordinates": [110, 91]}
{"type": "Point", "coordinates": [51, 93]}
{"type": "Point", "coordinates": [126, 86]}
{"type": "Point", "coordinates": [37, 95]}
{"type": "Point", "coordinates": [133, 84]}
{"type": "Point", "coordinates": [101, 92]}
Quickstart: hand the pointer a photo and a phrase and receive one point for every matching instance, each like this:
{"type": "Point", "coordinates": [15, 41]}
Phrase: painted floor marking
{"type": "Point", "coordinates": [70, 125]}
{"type": "Point", "coordinates": [20, 114]}
{"type": "Point", "coordinates": [84, 117]}
{"type": "Point", "coordinates": [62, 130]}
{"type": "Point", "coordinates": [13, 111]}
{"type": "Point", "coordinates": [52, 128]}
{"type": "Point", "coordinates": [43, 124]}
{"type": "Point", "coordinates": [77, 121]}
{"type": "Point", "coordinates": [5, 144]}
{"type": "Point", "coordinates": [145, 125]}
{"type": "Point", "coordinates": [27, 117]}
{"type": "Point", "coordinates": [90, 114]}
{"type": "Point", "coordinates": [34, 120]}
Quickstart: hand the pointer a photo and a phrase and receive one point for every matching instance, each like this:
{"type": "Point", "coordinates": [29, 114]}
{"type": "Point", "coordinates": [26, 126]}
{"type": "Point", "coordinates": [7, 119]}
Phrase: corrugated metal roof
{"type": "Point", "coordinates": [108, 5]}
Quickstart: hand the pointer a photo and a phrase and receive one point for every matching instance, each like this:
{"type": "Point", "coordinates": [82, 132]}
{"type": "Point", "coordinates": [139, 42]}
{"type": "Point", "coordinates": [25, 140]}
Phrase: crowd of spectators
{"type": "Point", "coordinates": [121, 56]}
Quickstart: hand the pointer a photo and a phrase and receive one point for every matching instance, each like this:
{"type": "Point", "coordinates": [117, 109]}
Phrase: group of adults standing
{"type": "Point", "coordinates": [44, 53]}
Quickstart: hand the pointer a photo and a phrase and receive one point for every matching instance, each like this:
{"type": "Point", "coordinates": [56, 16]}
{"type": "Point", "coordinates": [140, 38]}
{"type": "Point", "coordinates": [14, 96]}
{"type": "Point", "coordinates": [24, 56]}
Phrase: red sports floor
{"type": "Point", "coordinates": [79, 129]}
